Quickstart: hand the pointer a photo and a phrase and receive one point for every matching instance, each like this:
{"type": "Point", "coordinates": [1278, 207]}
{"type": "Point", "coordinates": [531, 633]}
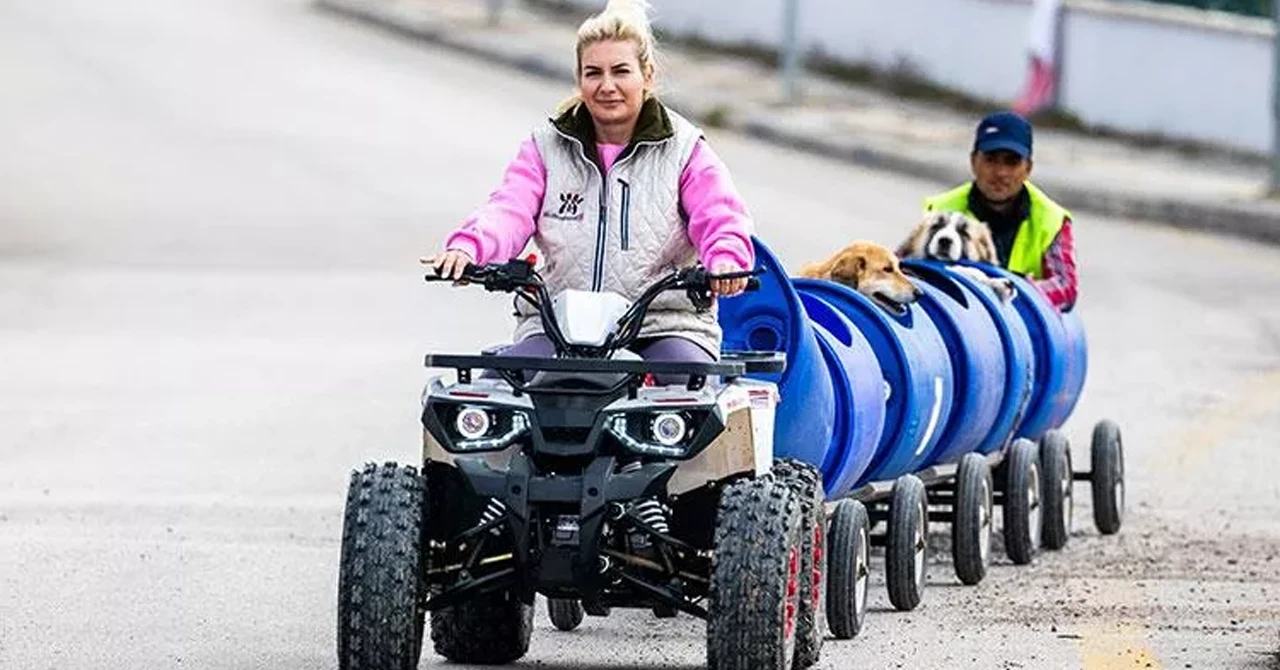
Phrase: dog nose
{"type": "Point", "coordinates": [944, 243]}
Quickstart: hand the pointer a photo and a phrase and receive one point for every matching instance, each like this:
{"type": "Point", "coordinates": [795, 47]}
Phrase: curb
{"type": "Point", "coordinates": [1235, 220]}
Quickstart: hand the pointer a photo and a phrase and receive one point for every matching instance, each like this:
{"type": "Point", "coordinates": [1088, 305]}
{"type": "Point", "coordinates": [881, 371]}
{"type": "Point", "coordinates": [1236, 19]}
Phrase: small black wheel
{"type": "Point", "coordinates": [848, 568]}
{"type": "Point", "coordinates": [665, 612]}
{"type": "Point", "coordinates": [1022, 498]}
{"type": "Point", "coordinates": [806, 481]}
{"type": "Point", "coordinates": [566, 613]}
{"type": "Point", "coordinates": [1056, 484]}
{"type": "Point", "coordinates": [971, 523]}
{"type": "Point", "coordinates": [907, 549]}
{"type": "Point", "coordinates": [1108, 477]}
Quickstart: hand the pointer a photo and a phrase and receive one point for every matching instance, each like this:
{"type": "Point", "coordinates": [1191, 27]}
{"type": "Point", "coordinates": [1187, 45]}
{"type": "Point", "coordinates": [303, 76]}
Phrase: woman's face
{"type": "Point", "coordinates": [612, 82]}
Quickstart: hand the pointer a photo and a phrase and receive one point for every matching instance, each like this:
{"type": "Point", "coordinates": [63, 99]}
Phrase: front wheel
{"type": "Point", "coordinates": [380, 619]}
{"type": "Point", "coordinates": [848, 568]}
{"type": "Point", "coordinates": [755, 577]}
{"type": "Point", "coordinates": [811, 624]}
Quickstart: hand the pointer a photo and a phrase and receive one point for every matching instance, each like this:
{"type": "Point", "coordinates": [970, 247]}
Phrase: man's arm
{"type": "Point", "coordinates": [1060, 283]}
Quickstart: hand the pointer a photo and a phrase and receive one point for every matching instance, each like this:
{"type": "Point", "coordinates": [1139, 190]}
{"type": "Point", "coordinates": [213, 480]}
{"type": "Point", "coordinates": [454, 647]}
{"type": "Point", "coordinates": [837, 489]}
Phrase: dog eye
{"type": "Point", "coordinates": [888, 268]}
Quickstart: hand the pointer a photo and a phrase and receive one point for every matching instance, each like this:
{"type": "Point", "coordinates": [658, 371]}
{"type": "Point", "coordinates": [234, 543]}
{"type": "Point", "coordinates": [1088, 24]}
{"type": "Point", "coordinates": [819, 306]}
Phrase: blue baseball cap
{"type": "Point", "coordinates": [1004, 131]}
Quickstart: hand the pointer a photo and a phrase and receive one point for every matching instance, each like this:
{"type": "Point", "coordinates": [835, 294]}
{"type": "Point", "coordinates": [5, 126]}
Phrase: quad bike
{"type": "Point", "coordinates": [578, 478]}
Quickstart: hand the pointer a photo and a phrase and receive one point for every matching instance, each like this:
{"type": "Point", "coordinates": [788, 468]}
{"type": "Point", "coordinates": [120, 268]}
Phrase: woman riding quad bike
{"type": "Point", "coordinates": [583, 482]}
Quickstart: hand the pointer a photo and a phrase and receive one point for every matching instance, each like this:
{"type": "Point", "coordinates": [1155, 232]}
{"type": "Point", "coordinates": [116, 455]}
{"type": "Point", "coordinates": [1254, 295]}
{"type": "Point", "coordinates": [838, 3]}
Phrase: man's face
{"type": "Point", "coordinates": [999, 174]}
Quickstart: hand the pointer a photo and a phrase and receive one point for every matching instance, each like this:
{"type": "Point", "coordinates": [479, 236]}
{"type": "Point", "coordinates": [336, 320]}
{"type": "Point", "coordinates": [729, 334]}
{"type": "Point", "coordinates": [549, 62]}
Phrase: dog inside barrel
{"type": "Point", "coordinates": [952, 237]}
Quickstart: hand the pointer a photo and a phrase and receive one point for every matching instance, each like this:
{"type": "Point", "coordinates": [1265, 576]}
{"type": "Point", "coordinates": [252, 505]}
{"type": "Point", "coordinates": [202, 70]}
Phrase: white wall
{"type": "Point", "coordinates": [1127, 65]}
{"type": "Point", "coordinates": [1176, 78]}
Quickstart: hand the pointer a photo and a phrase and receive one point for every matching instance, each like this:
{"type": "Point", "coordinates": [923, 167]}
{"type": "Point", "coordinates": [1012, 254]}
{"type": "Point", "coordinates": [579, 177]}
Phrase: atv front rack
{"type": "Point", "coordinates": [732, 364]}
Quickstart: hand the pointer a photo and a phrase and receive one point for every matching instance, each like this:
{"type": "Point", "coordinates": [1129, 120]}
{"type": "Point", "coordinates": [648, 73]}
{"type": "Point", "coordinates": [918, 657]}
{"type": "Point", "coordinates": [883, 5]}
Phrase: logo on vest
{"type": "Point", "coordinates": [568, 211]}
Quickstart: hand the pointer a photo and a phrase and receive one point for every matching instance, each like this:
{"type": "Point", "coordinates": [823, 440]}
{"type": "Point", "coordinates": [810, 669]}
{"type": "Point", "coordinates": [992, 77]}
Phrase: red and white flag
{"type": "Point", "coordinates": [1041, 87]}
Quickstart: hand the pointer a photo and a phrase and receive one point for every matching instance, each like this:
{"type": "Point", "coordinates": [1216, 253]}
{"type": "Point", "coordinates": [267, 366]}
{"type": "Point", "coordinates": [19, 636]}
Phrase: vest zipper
{"type": "Point", "coordinates": [626, 214]}
{"type": "Point", "coordinates": [597, 266]}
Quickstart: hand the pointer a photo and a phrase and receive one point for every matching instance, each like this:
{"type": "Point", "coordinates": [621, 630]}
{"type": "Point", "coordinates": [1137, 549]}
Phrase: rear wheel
{"type": "Point", "coordinates": [491, 629]}
{"type": "Point", "coordinates": [755, 577]}
{"type": "Point", "coordinates": [1108, 477]}
{"type": "Point", "coordinates": [566, 613]}
{"type": "Point", "coordinates": [848, 568]}
{"type": "Point", "coordinates": [811, 623]}
{"type": "Point", "coordinates": [380, 620]}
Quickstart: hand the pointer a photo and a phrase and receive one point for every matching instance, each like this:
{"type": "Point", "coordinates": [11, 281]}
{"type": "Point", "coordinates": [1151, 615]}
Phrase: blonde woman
{"type": "Point", "coordinates": [616, 191]}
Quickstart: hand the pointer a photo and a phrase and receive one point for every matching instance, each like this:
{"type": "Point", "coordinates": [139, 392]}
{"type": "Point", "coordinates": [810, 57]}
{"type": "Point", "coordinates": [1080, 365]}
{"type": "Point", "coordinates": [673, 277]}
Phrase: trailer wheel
{"type": "Point", "coordinates": [907, 549]}
{"type": "Point", "coordinates": [1022, 500]}
{"type": "Point", "coordinates": [1108, 477]}
{"type": "Point", "coordinates": [1056, 484]}
{"type": "Point", "coordinates": [848, 568]}
{"type": "Point", "coordinates": [971, 523]}
{"type": "Point", "coordinates": [566, 613]}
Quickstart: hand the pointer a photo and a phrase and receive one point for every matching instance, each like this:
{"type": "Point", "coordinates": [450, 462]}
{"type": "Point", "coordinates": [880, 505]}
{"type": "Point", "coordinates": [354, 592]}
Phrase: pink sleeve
{"type": "Point", "coordinates": [719, 225]}
{"type": "Point", "coordinates": [501, 228]}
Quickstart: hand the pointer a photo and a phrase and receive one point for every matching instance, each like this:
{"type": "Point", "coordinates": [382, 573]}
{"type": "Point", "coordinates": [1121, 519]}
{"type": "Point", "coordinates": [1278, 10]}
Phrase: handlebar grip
{"type": "Point", "coordinates": [470, 272]}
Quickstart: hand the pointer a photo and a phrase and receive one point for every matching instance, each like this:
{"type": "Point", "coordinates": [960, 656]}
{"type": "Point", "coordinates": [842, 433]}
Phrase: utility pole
{"type": "Point", "coordinates": [791, 50]}
{"type": "Point", "coordinates": [1275, 99]}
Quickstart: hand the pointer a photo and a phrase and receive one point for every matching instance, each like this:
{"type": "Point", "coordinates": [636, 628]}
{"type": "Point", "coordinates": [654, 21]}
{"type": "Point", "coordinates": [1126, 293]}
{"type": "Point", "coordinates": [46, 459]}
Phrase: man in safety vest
{"type": "Point", "coordinates": [1032, 233]}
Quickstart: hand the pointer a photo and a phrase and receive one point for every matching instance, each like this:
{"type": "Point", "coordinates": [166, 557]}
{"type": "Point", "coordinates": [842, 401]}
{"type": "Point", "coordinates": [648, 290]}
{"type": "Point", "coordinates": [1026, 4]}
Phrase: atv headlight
{"type": "Point", "coordinates": [669, 429]}
{"type": "Point", "coordinates": [473, 423]}
{"type": "Point", "coordinates": [667, 434]}
{"type": "Point", "coordinates": [474, 428]}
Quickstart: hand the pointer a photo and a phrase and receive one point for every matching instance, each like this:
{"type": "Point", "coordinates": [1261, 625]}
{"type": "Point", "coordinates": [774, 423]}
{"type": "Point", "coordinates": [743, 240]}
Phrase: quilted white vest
{"type": "Point", "coordinates": [622, 230]}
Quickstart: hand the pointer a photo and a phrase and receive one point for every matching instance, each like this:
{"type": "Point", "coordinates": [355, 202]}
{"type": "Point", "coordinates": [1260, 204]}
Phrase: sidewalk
{"type": "Point", "coordinates": [863, 125]}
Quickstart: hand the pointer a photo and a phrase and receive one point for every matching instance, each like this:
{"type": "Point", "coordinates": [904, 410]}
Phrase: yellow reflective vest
{"type": "Point", "coordinates": [1035, 234]}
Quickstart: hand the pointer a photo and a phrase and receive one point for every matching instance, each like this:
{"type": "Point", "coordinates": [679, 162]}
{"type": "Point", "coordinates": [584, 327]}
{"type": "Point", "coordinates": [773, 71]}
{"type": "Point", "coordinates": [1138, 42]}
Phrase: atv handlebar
{"type": "Point", "coordinates": [518, 276]}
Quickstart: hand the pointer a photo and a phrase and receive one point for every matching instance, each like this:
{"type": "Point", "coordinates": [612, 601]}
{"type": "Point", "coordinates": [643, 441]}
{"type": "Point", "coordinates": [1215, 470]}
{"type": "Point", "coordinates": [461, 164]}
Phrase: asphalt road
{"type": "Point", "coordinates": [210, 310]}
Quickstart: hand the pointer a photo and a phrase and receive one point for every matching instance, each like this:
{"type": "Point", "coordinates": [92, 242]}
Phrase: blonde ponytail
{"type": "Point", "coordinates": [621, 20]}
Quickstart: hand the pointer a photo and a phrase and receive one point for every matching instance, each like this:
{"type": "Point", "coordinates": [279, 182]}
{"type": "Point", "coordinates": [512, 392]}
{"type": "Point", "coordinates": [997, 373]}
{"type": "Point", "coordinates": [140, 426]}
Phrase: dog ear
{"type": "Point", "coordinates": [985, 244]}
{"type": "Point", "coordinates": [914, 244]}
{"type": "Point", "coordinates": [847, 268]}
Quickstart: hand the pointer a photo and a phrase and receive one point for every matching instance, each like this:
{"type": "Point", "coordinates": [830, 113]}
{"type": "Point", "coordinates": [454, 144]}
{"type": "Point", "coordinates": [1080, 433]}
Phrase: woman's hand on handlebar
{"type": "Point", "coordinates": [727, 287]}
{"type": "Point", "coordinates": [450, 264]}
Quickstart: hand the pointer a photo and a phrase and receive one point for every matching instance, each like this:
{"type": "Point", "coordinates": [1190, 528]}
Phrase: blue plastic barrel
{"type": "Point", "coordinates": [1019, 369]}
{"type": "Point", "coordinates": [859, 385]}
{"type": "Point", "coordinates": [916, 367]}
{"type": "Point", "coordinates": [1077, 354]}
{"type": "Point", "coordinates": [772, 319]}
{"type": "Point", "coordinates": [977, 358]}
{"type": "Point", "coordinates": [1049, 344]}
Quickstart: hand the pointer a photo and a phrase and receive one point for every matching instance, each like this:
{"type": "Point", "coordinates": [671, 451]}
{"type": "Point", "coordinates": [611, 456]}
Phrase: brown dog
{"type": "Point", "coordinates": [951, 237]}
{"type": "Point", "coordinates": [870, 269]}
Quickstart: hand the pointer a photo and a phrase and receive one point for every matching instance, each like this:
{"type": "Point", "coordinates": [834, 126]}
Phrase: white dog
{"type": "Point", "coordinates": [951, 237]}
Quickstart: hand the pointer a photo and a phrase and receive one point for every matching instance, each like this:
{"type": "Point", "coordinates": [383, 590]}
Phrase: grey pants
{"type": "Point", "coordinates": [673, 349]}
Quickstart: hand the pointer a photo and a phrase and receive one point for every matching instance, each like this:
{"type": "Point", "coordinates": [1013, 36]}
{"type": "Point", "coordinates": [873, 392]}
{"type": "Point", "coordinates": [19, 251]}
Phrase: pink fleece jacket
{"type": "Point", "coordinates": [719, 226]}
